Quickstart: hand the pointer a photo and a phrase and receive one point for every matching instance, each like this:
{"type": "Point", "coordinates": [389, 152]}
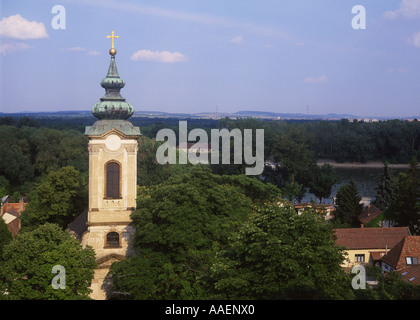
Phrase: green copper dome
{"type": "Point", "coordinates": [112, 105]}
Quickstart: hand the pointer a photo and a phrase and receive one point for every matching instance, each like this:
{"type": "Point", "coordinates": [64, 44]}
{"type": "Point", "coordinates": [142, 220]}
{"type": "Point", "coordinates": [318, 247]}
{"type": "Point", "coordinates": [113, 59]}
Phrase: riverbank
{"type": "Point", "coordinates": [356, 165]}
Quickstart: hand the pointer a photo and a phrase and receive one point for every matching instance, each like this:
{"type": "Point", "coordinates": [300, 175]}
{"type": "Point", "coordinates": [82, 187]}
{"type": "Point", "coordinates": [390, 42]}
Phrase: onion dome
{"type": "Point", "coordinates": [112, 105]}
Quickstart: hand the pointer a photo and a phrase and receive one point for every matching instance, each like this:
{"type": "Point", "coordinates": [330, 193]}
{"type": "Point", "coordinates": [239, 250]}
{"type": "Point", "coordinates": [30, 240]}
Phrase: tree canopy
{"type": "Point", "coordinates": [180, 224]}
{"type": "Point", "coordinates": [26, 269]}
{"type": "Point", "coordinates": [277, 254]}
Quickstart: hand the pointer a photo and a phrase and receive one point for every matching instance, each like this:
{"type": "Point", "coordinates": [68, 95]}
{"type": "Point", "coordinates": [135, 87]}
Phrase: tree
{"type": "Point", "coordinates": [322, 180]}
{"type": "Point", "coordinates": [5, 236]}
{"type": "Point", "coordinates": [405, 208]}
{"type": "Point", "coordinates": [391, 286]}
{"type": "Point", "coordinates": [57, 199]}
{"type": "Point", "coordinates": [292, 151]}
{"type": "Point", "coordinates": [385, 189]}
{"type": "Point", "coordinates": [29, 260]}
{"type": "Point", "coordinates": [149, 171]}
{"type": "Point", "coordinates": [348, 206]}
{"type": "Point", "coordinates": [277, 254]}
{"type": "Point", "coordinates": [180, 224]}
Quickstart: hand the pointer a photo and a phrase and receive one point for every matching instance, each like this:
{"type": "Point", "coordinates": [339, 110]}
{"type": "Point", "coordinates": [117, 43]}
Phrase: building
{"type": "Point", "coordinates": [405, 254]}
{"type": "Point", "coordinates": [411, 274]}
{"type": "Point", "coordinates": [326, 210]}
{"type": "Point", "coordinates": [369, 213]}
{"type": "Point", "coordinates": [366, 246]}
{"type": "Point", "coordinates": [112, 180]}
{"type": "Point", "coordinates": [202, 150]}
{"type": "Point", "coordinates": [10, 213]}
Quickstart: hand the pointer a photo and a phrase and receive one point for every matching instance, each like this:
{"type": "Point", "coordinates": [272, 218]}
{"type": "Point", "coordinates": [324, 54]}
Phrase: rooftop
{"type": "Point", "coordinates": [370, 238]}
{"type": "Point", "coordinates": [404, 254]}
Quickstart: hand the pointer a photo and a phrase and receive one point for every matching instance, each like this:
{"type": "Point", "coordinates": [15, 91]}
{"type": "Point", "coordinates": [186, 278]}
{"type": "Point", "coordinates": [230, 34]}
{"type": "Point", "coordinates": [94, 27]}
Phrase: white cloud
{"type": "Point", "coordinates": [396, 70]}
{"type": "Point", "coordinates": [320, 79]}
{"type": "Point", "coordinates": [414, 40]}
{"type": "Point", "coordinates": [81, 49]}
{"type": "Point", "coordinates": [74, 49]}
{"type": "Point", "coordinates": [237, 40]}
{"type": "Point", "coordinates": [6, 48]}
{"type": "Point", "coordinates": [17, 27]}
{"type": "Point", "coordinates": [407, 9]}
{"type": "Point", "coordinates": [158, 56]}
{"type": "Point", "coordinates": [93, 53]}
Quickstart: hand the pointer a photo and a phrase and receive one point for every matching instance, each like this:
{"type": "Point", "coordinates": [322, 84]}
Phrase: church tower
{"type": "Point", "coordinates": [112, 178]}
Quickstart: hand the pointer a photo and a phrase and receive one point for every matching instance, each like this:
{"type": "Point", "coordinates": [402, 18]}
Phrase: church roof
{"type": "Point", "coordinates": [112, 105]}
{"type": "Point", "coordinates": [112, 110]}
{"type": "Point", "coordinates": [101, 127]}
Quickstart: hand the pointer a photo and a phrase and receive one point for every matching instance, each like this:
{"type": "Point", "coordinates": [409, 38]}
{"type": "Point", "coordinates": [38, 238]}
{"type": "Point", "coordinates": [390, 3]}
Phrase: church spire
{"type": "Point", "coordinates": [112, 106]}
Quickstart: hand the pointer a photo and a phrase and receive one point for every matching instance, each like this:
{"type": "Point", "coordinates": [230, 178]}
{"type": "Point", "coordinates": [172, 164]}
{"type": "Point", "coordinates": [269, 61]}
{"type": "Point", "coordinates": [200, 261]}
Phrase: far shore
{"type": "Point", "coordinates": [369, 164]}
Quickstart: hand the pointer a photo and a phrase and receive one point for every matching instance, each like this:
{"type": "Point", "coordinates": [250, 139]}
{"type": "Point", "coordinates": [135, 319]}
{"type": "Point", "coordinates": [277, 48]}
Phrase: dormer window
{"type": "Point", "coordinates": [411, 260]}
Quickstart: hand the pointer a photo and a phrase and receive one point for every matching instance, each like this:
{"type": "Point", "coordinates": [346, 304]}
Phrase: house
{"type": "Point", "coordinates": [10, 213]}
{"type": "Point", "coordinates": [365, 245]}
{"type": "Point", "coordinates": [405, 254]}
{"type": "Point", "coordinates": [369, 213]}
{"type": "Point", "coordinates": [325, 209]}
{"type": "Point", "coordinates": [411, 274]}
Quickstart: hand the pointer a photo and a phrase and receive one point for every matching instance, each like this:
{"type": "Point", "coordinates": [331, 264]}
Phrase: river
{"type": "Point", "coordinates": [366, 179]}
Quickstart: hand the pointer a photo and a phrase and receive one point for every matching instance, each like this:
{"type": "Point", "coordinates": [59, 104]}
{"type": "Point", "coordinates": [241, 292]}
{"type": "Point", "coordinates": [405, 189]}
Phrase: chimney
{"type": "Point", "coordinates": [21, 207]}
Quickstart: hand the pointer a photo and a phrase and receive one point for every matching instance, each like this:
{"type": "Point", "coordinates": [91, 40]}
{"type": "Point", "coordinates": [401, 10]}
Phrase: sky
{"type": "Point", "coordinates": [191, 56]}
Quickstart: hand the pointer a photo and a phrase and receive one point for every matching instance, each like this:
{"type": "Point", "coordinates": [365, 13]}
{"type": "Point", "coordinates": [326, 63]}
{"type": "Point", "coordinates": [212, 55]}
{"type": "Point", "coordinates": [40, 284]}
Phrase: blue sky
{"type": "Point", "coordinates": [196, 56]}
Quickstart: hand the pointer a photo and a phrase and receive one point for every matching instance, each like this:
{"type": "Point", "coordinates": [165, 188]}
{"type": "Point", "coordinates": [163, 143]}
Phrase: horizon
{"type": "Point", "coordinates": [242, 113]}
{"type": "Point", "coordinates": [214, 57]}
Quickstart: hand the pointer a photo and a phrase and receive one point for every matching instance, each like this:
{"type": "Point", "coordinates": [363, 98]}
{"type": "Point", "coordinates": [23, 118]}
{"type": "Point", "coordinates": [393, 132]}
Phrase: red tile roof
{"type": "Point", "coordinates": [19, 207]}
{"type": "Point", "coordinates": [377, 255]}
{"type": "Point", "coordinates": [370, 238]}
{"type": "Point", "coordinates": [407, 247]}
{"type": "Point", "coordinates": [370, 212]}
{"type": "Point", "coordinates": [411, 274]}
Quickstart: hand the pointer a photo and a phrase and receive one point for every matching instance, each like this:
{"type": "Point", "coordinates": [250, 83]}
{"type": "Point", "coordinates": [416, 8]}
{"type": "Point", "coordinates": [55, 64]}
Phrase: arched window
{"type": "Point", "coordinates": [113, 180]}
{"type": "Point", "coordinates": [113, 239]}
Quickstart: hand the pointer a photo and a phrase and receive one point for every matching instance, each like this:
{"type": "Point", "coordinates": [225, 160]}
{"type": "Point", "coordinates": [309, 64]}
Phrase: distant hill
{"type": "Point", "coordinates": [204, 115]}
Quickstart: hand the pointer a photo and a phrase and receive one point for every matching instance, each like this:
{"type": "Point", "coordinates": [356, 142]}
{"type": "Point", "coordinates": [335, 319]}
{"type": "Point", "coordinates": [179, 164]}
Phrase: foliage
{"type": "Point", "coordinates": [405, 208]}
{"type": "Point", "coordinates": [278, 254]}
{"type": "Point", "coordinates": [348, 205]}
{"type": "Point", "coordinates": [57, 199]}
{"type": "Point", "coordinates": [394, 141]}
{"type": "Point", "coordinates": [322, 180]}
{"type": "Point", "coordinates": [5, 236]}
{"type": "Point", "coordinates": [385, 189]}
{"type": "Point", "coordinates": [30, 152]}
{"type": "Point", "coordinates": [390, 286]}
{"type": "Point", "coordinates": [28, 261]}
{"type": "Point", "coordinates": [180, 224]}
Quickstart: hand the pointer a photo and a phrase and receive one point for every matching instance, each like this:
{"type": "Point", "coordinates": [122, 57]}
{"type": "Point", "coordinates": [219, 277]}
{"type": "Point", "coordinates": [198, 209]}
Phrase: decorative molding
{"type": "Point", "coordinates": [93, 149]}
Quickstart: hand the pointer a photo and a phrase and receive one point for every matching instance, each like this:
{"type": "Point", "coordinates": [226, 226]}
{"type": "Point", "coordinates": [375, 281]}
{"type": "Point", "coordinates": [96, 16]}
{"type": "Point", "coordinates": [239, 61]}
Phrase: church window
{"type": "Point", "coordinates": [113, 239]}
{"type": "Point", "coordinates": [113, 180]}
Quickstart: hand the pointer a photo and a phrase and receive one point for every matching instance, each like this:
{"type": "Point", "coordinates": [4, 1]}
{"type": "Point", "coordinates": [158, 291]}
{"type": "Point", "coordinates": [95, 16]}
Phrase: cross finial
{"type": "Point", "coordinates": [112, 51]}
{"type": "Point", "coordinates": [112, 39]}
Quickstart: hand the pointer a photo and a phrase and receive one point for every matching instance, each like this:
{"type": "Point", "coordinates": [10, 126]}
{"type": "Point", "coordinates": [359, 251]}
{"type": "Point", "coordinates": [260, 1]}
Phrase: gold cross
{"type": "Point", "coordinates": [112, 38]}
